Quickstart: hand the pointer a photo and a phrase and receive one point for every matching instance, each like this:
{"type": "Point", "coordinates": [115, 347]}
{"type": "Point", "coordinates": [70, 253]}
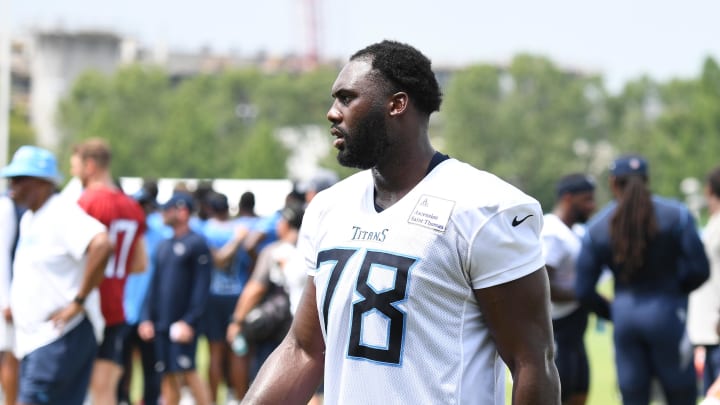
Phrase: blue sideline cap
{"type": "Point", "coordinates": [33, 161]}
{"type": "Point", "coordinates": [629, 164]}
{"type": "Point", "coordinates": [179, 200]}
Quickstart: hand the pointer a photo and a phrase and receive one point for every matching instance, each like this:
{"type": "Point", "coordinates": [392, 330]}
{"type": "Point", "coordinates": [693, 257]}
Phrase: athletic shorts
{"type": "Point", "coordinates": [712, 366]}
{"type": "Point", "coordinates": [7, 336]}
{"type": "Point", "coordinates": [114, 338]}
{"type": "Point", "coordinates": [172, 357]}
{"type": "Point", "coordinates": [59, 372]}
{"type": "Point", "coordinates": [570, 354]}
{"type": "Point", "coordinates": [218, 312]}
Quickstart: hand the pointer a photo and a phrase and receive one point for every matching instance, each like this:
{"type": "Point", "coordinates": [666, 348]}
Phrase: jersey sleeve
{"type": "Point", "coordinates": [507, 246]}
{"type": "Point", "coordinates": [84, 228]}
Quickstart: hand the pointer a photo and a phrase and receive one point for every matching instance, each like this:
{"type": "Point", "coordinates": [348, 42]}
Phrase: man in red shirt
{"type": "Point", "coordinates": [125, 221]}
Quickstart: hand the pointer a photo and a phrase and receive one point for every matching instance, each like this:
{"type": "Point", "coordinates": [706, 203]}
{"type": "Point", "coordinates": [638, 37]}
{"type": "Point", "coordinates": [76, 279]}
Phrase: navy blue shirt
{"type": "Point", "coordinates": [675, 261]}
{"type": "Point", "coordinates": [181, 282]}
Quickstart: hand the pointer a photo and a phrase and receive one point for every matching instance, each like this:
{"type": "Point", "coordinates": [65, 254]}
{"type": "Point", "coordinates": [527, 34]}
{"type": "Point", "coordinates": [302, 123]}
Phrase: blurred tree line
{"type": "Point", "coordinates": [529, 122]}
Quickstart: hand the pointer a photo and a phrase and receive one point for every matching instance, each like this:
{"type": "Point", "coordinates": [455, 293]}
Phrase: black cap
{"type": "Point", "coordinates": [574, 183]}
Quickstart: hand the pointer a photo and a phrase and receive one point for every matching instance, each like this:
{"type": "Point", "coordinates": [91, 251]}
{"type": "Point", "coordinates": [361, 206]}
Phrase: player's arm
{"type": "Point", "coordinates": [223, 257]}
{"type": "Point", "coordinates": [201, 268]}
{"type": "Point", "coordinates": [139, 260]}
{"type": "Point", "coordinates": [97, 254]}
{"type": "Point", "coordinates": [518, 317]}
{"type": "Point", "coordinates": [252, 294]}
{"type": "Point", "coordinates": [589, 267]}
{"type": "Point", "coordinates": [295, 369]}
{"type": "Point", "coordinates": [559, 292]}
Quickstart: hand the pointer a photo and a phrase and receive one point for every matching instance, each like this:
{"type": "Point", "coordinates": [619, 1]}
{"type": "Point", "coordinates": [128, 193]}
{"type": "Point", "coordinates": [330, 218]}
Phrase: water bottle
{"type": "Point", "coordinates": [239, 345]}
{"type": "Point", "coordinates": [599, 325]}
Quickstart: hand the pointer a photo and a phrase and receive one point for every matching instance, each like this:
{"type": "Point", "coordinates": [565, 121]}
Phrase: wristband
{"type": "Point", "coordinates": [79, 300]}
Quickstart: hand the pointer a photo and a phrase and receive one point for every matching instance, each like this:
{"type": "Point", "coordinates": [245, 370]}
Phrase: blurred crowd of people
{"type": "Point", "coordinates": [187, 268]}
{"type": "Point", "coordinates": [665, 303]}
{"type": "Point", "coordinates": [167, 274]}
{"type": "Point", "coordinates": [127, 279]}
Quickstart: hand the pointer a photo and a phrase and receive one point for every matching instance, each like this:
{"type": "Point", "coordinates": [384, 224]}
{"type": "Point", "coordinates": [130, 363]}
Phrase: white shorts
{"type": "Point", "coordinates": [7, 336]}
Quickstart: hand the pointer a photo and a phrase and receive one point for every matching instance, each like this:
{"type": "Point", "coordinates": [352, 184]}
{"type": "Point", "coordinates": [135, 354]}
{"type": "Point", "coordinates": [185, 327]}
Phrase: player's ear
{"type": "Point", "coordinates": [398, 103]}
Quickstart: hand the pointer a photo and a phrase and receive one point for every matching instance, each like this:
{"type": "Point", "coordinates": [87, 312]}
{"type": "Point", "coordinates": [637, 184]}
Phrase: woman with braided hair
{"type": "Point", "coordinates": [653, 249]}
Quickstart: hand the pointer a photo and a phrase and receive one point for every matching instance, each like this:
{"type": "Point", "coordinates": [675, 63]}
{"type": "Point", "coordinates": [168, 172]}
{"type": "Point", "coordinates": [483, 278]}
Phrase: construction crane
{"type": "Point", "coordinates": [311, 33]}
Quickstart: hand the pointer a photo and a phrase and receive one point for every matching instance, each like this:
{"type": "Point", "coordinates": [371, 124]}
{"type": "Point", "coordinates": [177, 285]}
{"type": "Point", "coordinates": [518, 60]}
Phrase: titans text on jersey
{"type": "Point", "coordinates": [394, 289]}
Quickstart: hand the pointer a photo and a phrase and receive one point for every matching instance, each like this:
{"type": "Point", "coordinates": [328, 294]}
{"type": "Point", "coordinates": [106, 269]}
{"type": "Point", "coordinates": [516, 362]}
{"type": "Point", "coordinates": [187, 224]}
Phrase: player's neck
{"type": "Point", "coordinates": [43, 196]}
{"type": "Point", "coordinates": [396, 177]}
{"type": "Point", "coordinates": [100, 181]}
{"type": "Point", "coordinates": [181, 229]}
{"type": "Point", "coordinates": [564, 216]}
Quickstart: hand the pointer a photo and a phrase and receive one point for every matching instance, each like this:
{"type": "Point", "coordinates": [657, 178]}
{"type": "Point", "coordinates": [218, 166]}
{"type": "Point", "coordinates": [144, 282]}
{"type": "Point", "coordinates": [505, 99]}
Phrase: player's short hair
{"type": "Point", "coordinates": [713, 181]}
{"type": "Point", "coordinates": [247, 201]}
{"type": "Point", "coordinates": [96, 149]}
{"type": "Point", "coordinates": [404, 68]}
{"type": "Point", "coordinates": [293, 214]}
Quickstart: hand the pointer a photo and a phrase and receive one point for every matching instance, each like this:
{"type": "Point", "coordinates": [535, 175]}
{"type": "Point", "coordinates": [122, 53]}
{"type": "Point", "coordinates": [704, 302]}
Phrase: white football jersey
{"type": "Point", "coordinates": [561, 247]}
{"type": "Point", "coordinates": [395, 289]}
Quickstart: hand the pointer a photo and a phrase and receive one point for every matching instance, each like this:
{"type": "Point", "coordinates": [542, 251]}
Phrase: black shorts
{"type": "Point", "coordinates": [173, 357]}
{"type": "Point", "coordinates": [59, 372]}
{"type": "Point", "coordinates": [218, 312]}
{"type": "Point", "coordinates": [570, 354]}
{"type": "Point", "coordinates": [114, 338]}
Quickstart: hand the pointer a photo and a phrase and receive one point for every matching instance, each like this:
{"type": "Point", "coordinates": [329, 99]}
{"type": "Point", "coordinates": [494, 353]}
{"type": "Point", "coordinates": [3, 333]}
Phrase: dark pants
{"type": "Point", "coordinates": [570, 354]}
{"type": "Point", "coordinates": [650, 341]}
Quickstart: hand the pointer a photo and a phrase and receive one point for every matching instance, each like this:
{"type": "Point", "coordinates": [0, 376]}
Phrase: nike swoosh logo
{"type": "Point", "coordinates": [516, 222]}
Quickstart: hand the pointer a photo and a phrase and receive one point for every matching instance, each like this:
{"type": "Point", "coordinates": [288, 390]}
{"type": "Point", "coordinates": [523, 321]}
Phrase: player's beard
{"type": "Point", "coordinates": [367, 143]}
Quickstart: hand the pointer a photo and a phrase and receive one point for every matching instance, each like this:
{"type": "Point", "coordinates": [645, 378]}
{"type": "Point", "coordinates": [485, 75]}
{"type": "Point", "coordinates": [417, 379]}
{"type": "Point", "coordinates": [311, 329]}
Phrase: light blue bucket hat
{"type": "Point", "coordinates": [33, 161]}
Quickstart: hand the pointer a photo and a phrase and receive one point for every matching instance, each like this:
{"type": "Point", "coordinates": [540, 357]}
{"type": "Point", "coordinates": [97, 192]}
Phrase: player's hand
{"type": "Point", "coordinates": [714, 390]}
{"type": "Point", "coordinates": [61, 317]}
{"type": "Point", "coordinates": [7, 314]}
{"type": "Point", "coordinates": [241, 232]}
{"type": "Point", "coordinates": [146, 330]}
{"type": "Point", "coordinates": [232, 330]}
{"type": "Point", "coordinates": [181, 332]}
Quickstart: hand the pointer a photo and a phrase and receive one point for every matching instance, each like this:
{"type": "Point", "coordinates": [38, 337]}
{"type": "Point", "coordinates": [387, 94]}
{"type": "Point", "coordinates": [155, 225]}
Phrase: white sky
{"type": "Point", "coordinates": [621, 39]}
